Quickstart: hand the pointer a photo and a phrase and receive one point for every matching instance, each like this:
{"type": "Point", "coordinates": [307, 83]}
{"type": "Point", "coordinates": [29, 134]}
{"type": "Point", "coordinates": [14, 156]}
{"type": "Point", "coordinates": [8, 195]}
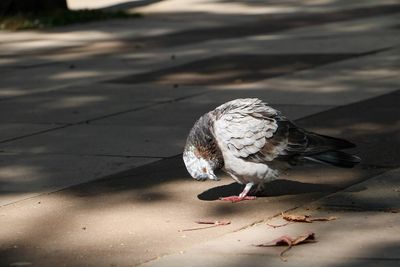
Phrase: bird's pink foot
{"type": "Point", "coordinates": [234, 199]}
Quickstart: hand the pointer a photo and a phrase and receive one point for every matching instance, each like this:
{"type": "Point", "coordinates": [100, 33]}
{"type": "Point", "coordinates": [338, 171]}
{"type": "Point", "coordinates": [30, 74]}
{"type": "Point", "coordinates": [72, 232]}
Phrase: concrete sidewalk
{"type": "Point", "coordinates": [93, 119]}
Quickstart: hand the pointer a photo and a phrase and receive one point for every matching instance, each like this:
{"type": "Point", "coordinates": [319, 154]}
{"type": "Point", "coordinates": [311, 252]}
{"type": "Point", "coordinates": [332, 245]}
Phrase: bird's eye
{"type": "Point", "coordinates": [204, 169]}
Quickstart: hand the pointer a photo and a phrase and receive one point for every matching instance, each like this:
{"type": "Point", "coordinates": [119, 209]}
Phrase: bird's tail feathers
{"type": "Point", "coordinates": [336, 158]}
{"type": "Point", "coordinates": [333, 142]}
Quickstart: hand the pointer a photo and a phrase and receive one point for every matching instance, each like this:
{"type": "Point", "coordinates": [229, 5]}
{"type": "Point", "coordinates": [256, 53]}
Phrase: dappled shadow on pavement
{"type": "Point", "coordinates": [243, 68]}
{"type": "Point", "coordinates": [135, 215]}
{"type": "Point", "coordinates": [264, 25]}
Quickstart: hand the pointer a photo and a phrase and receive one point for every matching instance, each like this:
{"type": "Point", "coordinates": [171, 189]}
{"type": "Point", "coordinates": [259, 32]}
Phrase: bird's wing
{"type": "Point", "coordinates": [243, 126]}
{"type": "Point", "coordinates": [290, 140]}
{"type": "Point", "coordinates": [250, 129]}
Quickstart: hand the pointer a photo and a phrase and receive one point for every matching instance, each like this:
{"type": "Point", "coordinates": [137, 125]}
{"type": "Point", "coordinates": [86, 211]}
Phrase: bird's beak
{"type": "Point", "coordinates": [212, 176]}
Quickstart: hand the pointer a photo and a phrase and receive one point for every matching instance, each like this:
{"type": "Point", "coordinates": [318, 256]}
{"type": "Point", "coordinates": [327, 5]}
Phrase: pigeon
{"type": "Point", "coordinates": [251, 141]}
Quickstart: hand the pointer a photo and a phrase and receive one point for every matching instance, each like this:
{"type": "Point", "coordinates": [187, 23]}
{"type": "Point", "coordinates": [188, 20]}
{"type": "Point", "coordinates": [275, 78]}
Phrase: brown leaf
{"type": "Point", "coordinates": [290, 242]}
{"type": "Point", "coordinates": [305, 218]}
{"type": "Point", "coordinates": [296, 218]}
{"type": "Point", "coordinates": [281, 241]}
{"type": "Point", "coordinates": [309, 237]}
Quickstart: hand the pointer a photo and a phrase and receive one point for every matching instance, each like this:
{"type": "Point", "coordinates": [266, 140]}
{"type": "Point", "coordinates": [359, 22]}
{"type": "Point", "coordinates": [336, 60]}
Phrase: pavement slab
{"type": "Point", "coordinates": [311, 42]}
{"type": "Point", "coordinates": [24, 176]}
{"type": "Point", "coordinates": [88, 139]}
{"type": "Point", "coordinates": [10, 131]}
{"type": "Point", "coordinates": [83, 103]}
{"type": "Point", "coordinates": [189, 110]}
{"type": "Point", "coordinates": [353, 80]}
{"type": "Point", "coordinates": [235, 69]}
{"type": "Point", "coordinates": [381, 193]}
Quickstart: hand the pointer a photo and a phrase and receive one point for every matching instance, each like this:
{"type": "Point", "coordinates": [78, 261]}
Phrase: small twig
{"type": "Point", "coordinates": [207, 222]}
{"type": "Point", "coordinates": [277, 226]}
{"type": "Point", "coordinates": [213, 224]}
{"type": "Point", "coordinates": [323, 219]}
{"type": "Point", "coordinates": [291, 245]}
{"type": "Point", "coordinates": [283, 251]}
{"type": "Point", "coordinates": [199, 228]}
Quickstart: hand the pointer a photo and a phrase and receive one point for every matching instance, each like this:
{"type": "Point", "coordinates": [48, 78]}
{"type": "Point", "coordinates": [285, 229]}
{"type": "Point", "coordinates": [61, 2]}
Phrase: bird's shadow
{"type": "Point", "coordinates": [272, 189]}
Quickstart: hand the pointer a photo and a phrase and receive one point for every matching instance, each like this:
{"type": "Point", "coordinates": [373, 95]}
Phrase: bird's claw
{"type": "Point", "coordinates": [235, 199]}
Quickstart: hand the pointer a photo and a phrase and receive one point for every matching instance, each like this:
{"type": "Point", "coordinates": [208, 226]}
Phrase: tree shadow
{"type": "Point", "coordinates": [131, 4]}
{"type": "Point", "coordinates": [264, 25]}
{"type": "Point", "coordinates": [126, 200]}
{"type": "Point", "coordinates": [240, 68]}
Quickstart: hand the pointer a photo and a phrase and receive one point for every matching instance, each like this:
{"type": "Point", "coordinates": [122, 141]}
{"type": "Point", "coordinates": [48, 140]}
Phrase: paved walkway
{"type": "Point", "coordinates": [115, 100]}
{"type": "Point", "coordinates": [364, 233]}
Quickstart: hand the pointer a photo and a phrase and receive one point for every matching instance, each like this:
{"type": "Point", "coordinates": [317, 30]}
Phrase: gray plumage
{"type": "Point", "coordinates": [246, 138]}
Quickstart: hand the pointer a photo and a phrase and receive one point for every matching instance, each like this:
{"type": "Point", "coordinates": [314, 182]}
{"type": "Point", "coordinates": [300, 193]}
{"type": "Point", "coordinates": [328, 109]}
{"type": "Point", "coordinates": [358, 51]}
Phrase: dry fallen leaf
{"type": "Point", "coordinates": [212, 224]}
{"type": "Point", "coordinates": [300, 218]}
{"type": "Point", "coordinates": [290, 242]}
{"type": "Point", "coordinates": [296, 218]}
{"type": "Point", "coordinates": [305, 218]}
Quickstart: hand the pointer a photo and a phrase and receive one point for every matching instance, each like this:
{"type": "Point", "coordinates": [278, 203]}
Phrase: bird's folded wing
{"type": "Point", "coordinates": [250, 129]}
{"type": "Point", "coordinates": [243, 128]}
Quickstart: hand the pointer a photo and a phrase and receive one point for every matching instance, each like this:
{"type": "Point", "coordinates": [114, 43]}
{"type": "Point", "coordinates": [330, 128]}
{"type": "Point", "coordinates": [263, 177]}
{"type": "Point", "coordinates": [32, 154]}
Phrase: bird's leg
{"type": "Point", "coordinates": [242, 196]}
{"type": "Point", "coordinates": [246, 190]}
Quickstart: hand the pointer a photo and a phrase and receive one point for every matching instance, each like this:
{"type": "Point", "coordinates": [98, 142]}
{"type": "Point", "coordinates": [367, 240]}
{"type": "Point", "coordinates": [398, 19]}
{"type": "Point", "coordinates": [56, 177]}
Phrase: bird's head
{"type": "Point", "coordinates": [199, 167]}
